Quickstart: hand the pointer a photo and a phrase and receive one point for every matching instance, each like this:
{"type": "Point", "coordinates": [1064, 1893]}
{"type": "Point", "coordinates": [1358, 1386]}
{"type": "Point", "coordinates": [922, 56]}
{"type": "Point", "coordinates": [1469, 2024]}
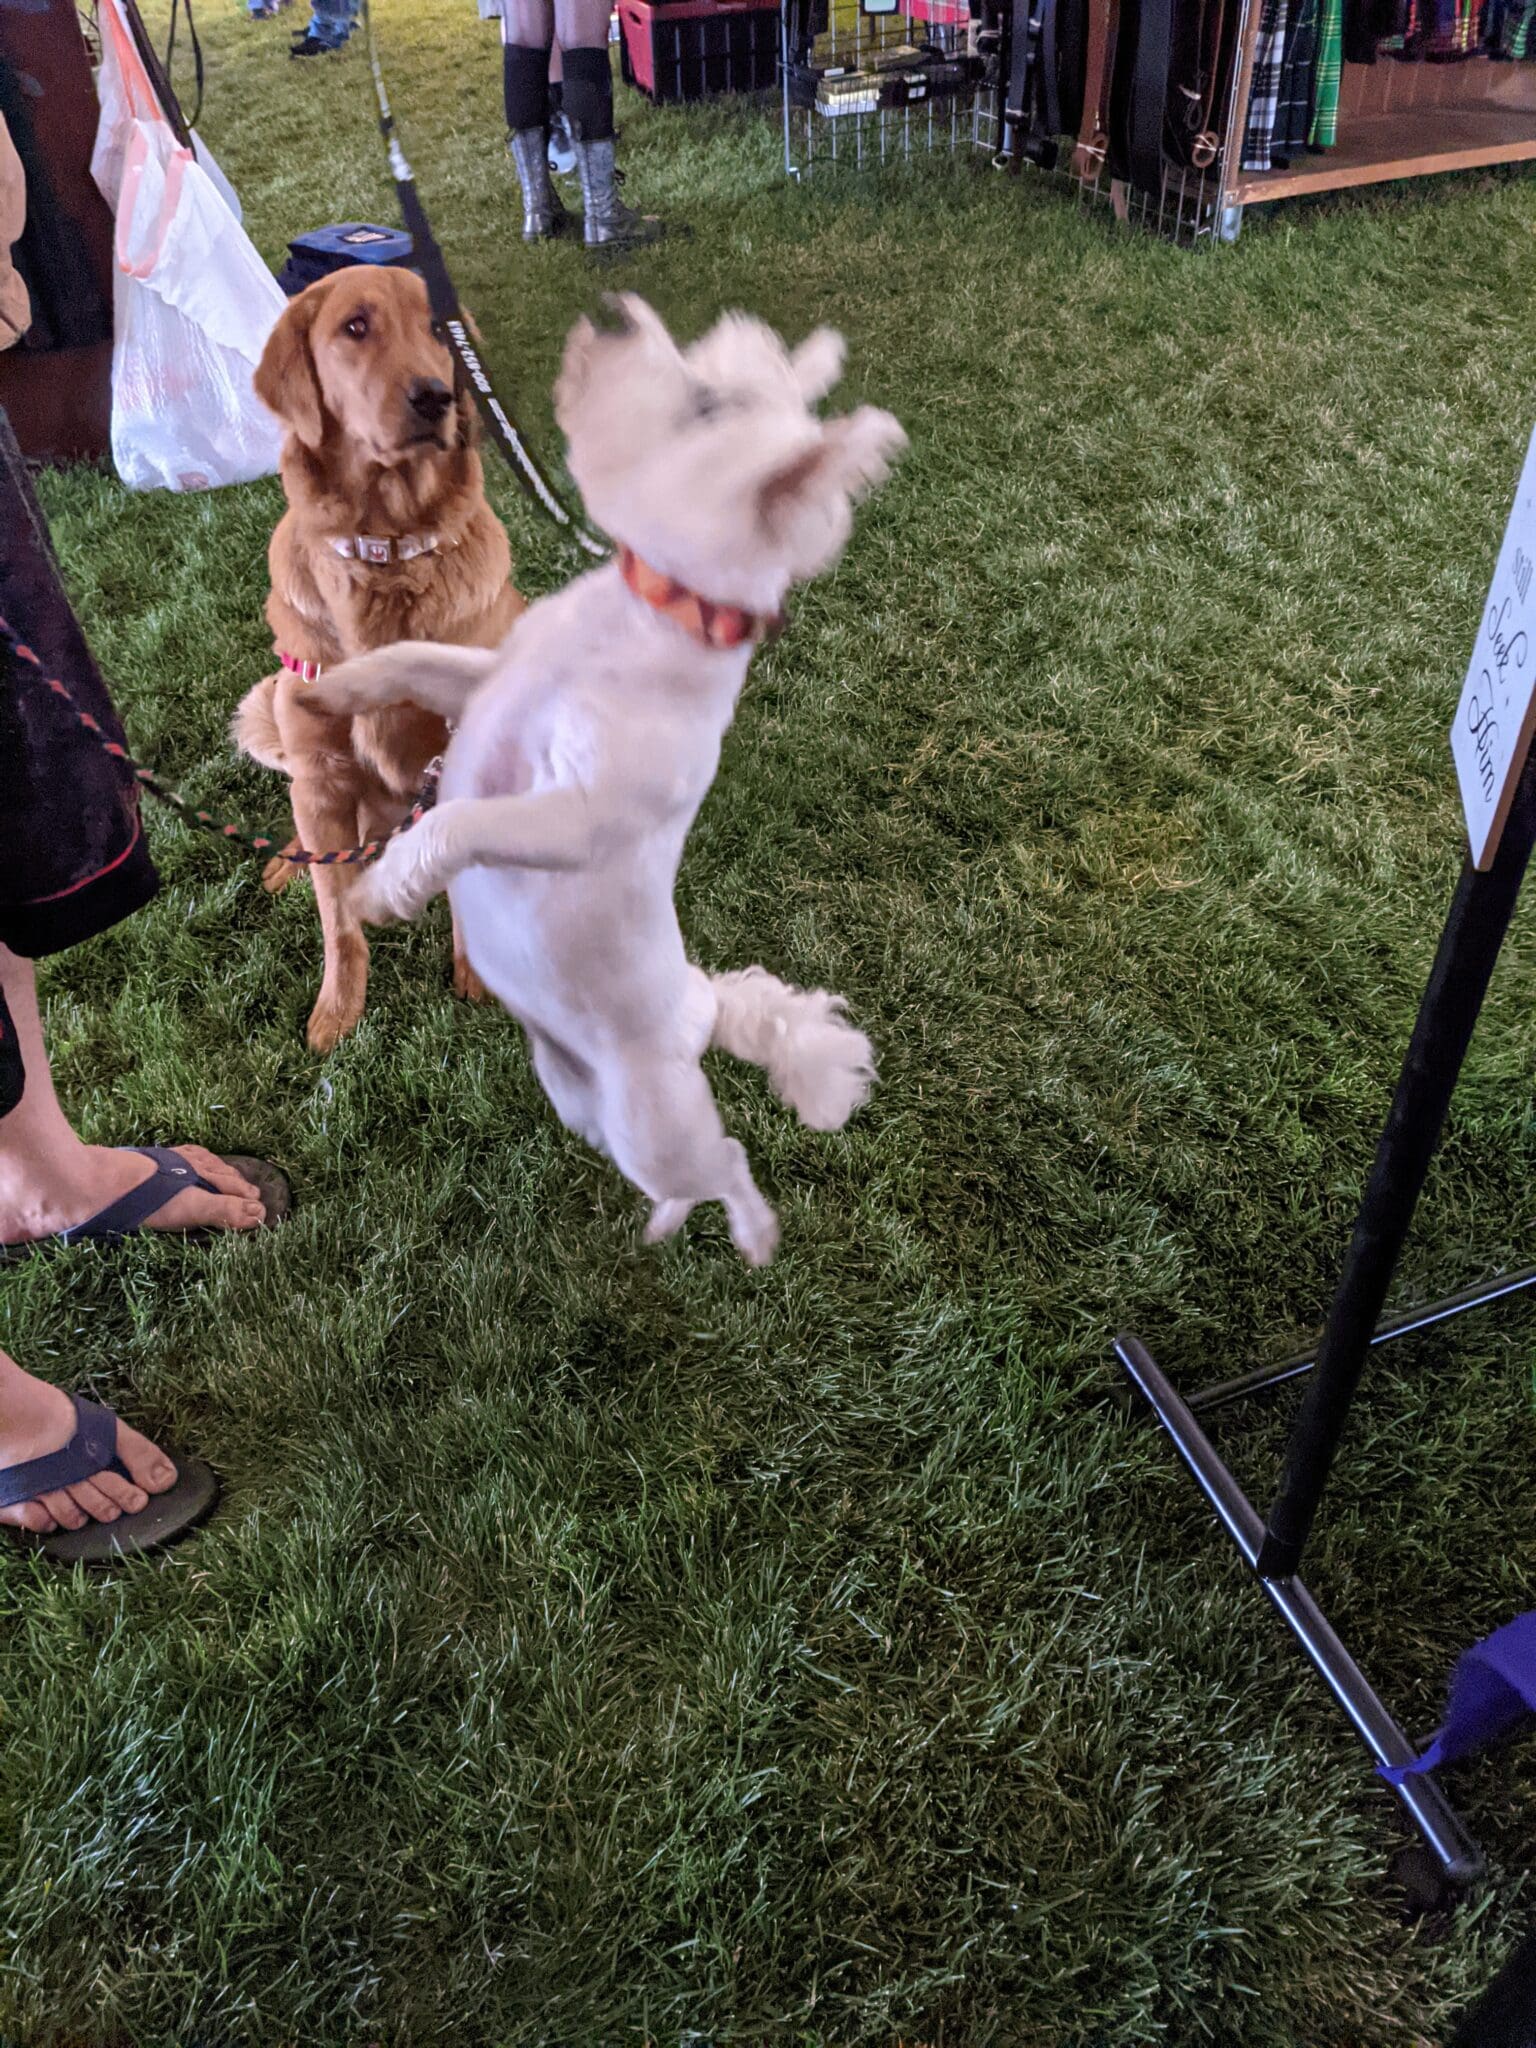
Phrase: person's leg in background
{"type": "Point", "coordinates": [587, 98]}
{"type": "Point", "coordinates": [56, 1456]}
{"type": "Point", "coordinates": [37, 1421]}
{"type": "Point", "coordinates": [527, 34]}
{"type": "Point", "coordinates": [73, 863]}
{"type": "Point", "coordinates": [52, 1181]}
{"type": "Point", "coordinates": [562, 151]}
{"type": "Point", "coordinates": [330, 24]}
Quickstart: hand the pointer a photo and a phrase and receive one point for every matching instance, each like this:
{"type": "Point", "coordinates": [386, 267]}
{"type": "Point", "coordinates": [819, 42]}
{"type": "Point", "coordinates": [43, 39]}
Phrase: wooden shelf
{"type": "Point", "coordinates": [1375, 147]}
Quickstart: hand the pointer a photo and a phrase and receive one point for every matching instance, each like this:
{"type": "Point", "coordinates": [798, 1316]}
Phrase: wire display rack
{"type": "Point", "coordinates": [863, 89]}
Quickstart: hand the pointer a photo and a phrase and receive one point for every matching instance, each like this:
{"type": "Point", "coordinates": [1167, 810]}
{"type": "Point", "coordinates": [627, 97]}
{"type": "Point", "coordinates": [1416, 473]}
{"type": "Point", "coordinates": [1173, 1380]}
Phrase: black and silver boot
{"type": "Point", "coordinates": [543, 215]}
{"type": "Point", "coordinates": [610, 224]}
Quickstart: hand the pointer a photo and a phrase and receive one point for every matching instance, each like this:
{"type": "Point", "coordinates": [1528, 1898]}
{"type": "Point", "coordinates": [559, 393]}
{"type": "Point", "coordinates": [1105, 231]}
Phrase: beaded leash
{"type": "Point", "coordinates": [253, 842]}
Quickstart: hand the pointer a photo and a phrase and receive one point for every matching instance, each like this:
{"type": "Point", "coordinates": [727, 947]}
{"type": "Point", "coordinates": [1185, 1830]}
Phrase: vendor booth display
{"type": "Point", "coordinates": [1178, 113]}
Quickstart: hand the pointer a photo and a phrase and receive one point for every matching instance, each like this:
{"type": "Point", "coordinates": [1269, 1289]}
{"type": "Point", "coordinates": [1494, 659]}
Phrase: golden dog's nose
{"type": "Point", "coordinates": [429, 398]}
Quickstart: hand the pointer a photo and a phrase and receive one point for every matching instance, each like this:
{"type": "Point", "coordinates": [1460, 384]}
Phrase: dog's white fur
{"type": "Point", "coordinates": [587, 742]}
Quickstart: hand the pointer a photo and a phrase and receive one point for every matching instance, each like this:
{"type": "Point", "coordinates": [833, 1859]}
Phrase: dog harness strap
{"type": "Point", "coordinates": [369, 547]}
{"type": "Point", "coordinates": [720, 626]}
{"type": "Point", "coordinates": [306, 670]}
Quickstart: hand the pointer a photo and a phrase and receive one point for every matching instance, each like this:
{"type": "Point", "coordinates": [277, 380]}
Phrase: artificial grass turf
{"type": "Point", "coordinates": [600, 1645]}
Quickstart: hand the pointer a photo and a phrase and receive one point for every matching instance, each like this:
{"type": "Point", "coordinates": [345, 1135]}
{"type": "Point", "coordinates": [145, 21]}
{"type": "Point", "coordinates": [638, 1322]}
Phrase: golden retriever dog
{"type": "Point", "coordinates": [387, 537]}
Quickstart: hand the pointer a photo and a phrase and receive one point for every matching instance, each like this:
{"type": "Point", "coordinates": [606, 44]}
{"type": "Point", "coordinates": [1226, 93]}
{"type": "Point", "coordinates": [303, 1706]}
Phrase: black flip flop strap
{"type": "Point", "coordinates": [91, 1450]}
{"type": "Point", "coordinates": [172, 1177]}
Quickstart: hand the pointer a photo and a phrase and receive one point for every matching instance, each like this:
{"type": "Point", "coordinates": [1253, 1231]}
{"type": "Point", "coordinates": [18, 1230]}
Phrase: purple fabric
{"type": "Point", "coordinates": [1492, 1687]}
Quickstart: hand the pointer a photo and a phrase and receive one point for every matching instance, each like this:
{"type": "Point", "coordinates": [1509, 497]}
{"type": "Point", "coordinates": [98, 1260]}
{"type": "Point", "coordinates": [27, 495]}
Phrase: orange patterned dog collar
{"type": "Point", "coordinates": [720, 626]}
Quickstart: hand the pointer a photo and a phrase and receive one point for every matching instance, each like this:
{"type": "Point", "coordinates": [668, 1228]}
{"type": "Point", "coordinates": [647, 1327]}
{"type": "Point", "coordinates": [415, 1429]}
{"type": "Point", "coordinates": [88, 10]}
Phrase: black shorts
{"type": "Point", "coordinates": [72, 855]}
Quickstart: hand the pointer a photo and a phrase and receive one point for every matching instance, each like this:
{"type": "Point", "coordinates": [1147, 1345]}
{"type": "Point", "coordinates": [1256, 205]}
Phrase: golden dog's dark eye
{"type": "Point", "coordinates": [357, 326]}
{"type": "Point", "coordinates": [439, 331]}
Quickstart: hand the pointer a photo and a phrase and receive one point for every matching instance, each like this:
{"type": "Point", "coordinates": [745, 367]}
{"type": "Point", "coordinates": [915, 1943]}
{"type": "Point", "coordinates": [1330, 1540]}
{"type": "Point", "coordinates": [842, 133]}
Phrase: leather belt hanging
{"type": "Point", "coordinates": [1139, 100]}
{"type": "Point", "coordinates": [1031, 110]}
{"type": "Point", "coordinates": [1170, 60]}
{"type": "Point", "coordinates": [1202, 142]}
{"type": "Point", "coordinates": [1099, 33]}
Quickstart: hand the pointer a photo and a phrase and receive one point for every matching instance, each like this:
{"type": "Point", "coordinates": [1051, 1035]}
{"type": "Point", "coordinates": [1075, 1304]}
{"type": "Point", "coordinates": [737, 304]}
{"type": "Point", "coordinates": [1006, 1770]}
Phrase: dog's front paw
{"type": "Point", "coordinates": [278, 872]}
{"type": "Point", "coordinates": [666, 1220]}
{"type": "Point", "coordinates": [377, 901]}
{"type": "Point", "coordinates": [332, 694]}
{"type": "Point", "coordinates": [329, 1023]}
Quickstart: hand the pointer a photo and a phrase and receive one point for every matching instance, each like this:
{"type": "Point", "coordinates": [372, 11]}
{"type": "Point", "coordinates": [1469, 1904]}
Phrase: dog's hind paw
{"type": "Point", "coordinates": [756, 1237]}
{"type": "Point", "coordinates": [667, 1219]}
{"type": "Point", "coordinates": [467, 983]}
{"type": "Point", "coordinates": [277, 874]}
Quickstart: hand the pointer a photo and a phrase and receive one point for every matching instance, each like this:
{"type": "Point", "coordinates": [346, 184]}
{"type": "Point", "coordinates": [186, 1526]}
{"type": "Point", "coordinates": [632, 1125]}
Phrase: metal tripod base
{"type": "Point", "coordinates": [1457, 1856]}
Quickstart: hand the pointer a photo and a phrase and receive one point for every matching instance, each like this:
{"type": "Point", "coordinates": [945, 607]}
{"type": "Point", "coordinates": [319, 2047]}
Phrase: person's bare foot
{"type": "Point", "coordinates": [78, 1181]}
{"type": "Point", "coordinates": [37, 1419]}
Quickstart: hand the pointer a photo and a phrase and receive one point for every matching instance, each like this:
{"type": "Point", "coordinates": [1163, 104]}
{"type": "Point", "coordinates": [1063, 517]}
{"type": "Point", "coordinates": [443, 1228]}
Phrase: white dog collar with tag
{"type": "Point", "coordinates": [368, 547]}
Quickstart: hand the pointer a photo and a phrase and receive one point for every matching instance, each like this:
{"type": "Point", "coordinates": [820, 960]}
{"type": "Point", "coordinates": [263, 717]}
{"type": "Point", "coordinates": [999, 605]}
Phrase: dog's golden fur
{"type": "Point", "coordinates": [348, 369]}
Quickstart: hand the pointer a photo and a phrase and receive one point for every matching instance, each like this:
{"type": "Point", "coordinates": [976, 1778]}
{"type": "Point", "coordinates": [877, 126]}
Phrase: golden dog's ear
{"type": "Point", "coordinates": [465, 412]}
{"type": "Point", "coordinates": [285, 379]}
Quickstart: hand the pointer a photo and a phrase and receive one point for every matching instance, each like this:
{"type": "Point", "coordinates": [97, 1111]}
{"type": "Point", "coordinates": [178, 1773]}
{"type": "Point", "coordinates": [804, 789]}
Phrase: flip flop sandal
{"type": "Point", "coordinates": [91, 1450]}
{"type": "Point", "coordinates": [172, 1176]}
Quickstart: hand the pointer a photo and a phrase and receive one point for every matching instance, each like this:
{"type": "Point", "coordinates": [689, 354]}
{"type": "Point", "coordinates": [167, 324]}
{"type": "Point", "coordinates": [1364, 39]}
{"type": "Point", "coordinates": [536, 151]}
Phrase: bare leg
{"type": "Point", "coordinates": [530, 24]}
{"type": "Point", "coordinates": [50, 1179]}
{"type": "Point", "coordinates": [36, 1419]}
{"type": "Point", "coordinates": [582, 24]}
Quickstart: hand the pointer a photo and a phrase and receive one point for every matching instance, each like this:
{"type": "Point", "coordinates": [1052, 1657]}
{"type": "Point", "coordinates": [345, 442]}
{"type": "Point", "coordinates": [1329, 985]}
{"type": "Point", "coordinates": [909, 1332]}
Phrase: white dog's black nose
{"type": "Point", "coordinates": [429, 399]}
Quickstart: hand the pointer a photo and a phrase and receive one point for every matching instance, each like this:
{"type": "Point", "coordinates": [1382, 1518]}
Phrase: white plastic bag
{"type": "Point", "coordinates": [123, 87]}
{"type": "Point", "coordinates": [193, 303]}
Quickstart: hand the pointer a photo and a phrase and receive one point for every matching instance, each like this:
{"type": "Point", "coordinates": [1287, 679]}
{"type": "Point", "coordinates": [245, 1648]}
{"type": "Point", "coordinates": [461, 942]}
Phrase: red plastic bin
{"type": "Point", "coordinates": [693, 49]}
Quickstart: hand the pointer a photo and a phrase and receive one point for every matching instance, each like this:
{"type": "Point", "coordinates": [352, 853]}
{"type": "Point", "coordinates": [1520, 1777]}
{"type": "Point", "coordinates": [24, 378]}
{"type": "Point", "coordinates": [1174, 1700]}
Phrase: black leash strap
{"type": "Point", "coordinates": [197, 55]}
{"type": "Point", "coordinates": [165, 93]}
{"type": "Point", "coordinates": [446, 307]}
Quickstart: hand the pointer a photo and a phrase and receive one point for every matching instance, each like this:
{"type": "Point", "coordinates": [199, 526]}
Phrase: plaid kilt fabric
{"type": "Point", "coordinates": [1330, 67]}
{"type": "Point", "coordinates": [1293, 106]}
{"type": "Point", "coordinates": [1264, 100]}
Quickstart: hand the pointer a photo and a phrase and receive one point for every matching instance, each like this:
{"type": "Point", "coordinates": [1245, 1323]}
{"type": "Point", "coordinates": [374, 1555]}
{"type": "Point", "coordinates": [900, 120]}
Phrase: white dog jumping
{"type": "Point", "coordinates": [586, 743]}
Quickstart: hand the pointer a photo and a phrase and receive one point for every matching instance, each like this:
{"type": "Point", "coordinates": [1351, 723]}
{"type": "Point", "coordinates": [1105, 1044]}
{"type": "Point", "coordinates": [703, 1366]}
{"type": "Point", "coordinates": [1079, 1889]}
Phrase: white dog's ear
{"type": "Point", "coordinates": [852, 455]}
{"type": "Point", "coordinates": [818, 363]}
{"type": "Point", "coordinates": [865, 444]}
{"type": "Point", "coordinates": [575, 371]}
{"type": "Point", "coordinates": [624, 317]}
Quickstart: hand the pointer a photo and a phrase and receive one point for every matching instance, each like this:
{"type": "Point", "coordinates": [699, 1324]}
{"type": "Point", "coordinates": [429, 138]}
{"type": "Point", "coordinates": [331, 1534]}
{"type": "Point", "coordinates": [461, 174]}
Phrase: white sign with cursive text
{"type": "Point", "coordinates": [1497, 712]}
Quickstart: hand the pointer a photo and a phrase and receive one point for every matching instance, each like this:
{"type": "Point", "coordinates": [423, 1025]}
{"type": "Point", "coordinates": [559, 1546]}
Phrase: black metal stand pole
{"type": "Point", "coordinates": [1464, 962]}
{"type": "Point", "coordinates": [1457, 1856]}
{"type": "Point", "coordinates": [1407, 1324]}
{"type": "Point", "coordinates": [1478, 918]}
